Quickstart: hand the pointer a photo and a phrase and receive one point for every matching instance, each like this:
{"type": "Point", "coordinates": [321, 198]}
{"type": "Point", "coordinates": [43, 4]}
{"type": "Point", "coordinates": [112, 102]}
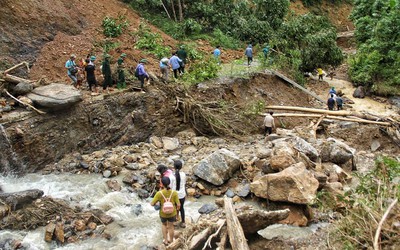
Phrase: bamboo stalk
{"type": "Point", "coordinates": [26, 104]}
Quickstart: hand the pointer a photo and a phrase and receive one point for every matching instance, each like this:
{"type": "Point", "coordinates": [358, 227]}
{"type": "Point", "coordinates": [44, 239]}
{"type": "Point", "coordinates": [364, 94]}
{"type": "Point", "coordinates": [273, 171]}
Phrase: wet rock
{"type": "Point", "coordinates": [137, 209]}
{"type": "Point", "coordinates": [359, 92]}
{"type": "Point", "coordinates": [18, 199]}
{"type": "Point", "coordinates": [84, 165]}
{"type": "Point", "coordinates": [107, 173]}
{"type": "Point", "coordinates": [130, 179]}
{"type": "Point", "coordinates": [170, 144]}
{"type": "Point", "coordinates": [218, 167]}
{"type": "Point", "coordinates": [55, 96]}
{"type": "Point", "coordinates": [113, 185]}
{"type": "Point", "coordinates": [48, 235]}
{"type": "Point", "coordinates": [142, 193]}
{"type": "Point", "coordinates": [207, 208]}
{"type": "Point", "coordinates": [294, 184]}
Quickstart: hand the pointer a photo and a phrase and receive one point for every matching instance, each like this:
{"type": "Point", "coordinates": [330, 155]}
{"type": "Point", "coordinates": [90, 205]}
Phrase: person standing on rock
{"type": "Point", "coordinates": [269, 123]}
{"type": "Point", "coordinates": [331, 102]}
{"type": "Point", "coordinates": [249, 53]}
{"type": "Point", "coordinates": [181, 189]}
{"type": "Point", "coordinates": [181, 53]}
{"type": "Point", "coordinates": [106, 71]}
{"type": "Point", "coordinates": [141, 73]}
{"type": "Point", "coordinates": [167, 219]}
{"type": "Point", "coordinates": [121, 84]}
{"type": "Point", "coordinates": [175, 63]}
{"type": "Point", "coordinates": [90, 73]}
{"type": "Point", "coordinates": [166, 172]}
{"type": "Point", "coordinates": [72, 69]}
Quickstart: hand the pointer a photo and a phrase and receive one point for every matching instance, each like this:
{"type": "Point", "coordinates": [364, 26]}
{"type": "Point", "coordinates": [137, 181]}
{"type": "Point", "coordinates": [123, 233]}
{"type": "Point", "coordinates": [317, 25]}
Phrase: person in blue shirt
{"type": "Point", "coordinates": [175, 63]}
{"type": "Point", "coordinates": [141, 72]}
{"type": "Point", "coordinates": [217, 54]}
{"type": "Point", "coordinates": [72, 69]}
{"type": "Point", "coordinates": [249, 53]}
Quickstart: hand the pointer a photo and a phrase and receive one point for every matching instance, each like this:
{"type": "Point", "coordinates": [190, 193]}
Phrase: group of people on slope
{"type": "Point", "coordinates": [334, 100]}
{"type": "Point", "coordinates": [173, 189]}
{"type": "Point", "coordinates": [248, 53]}
{"type": "Point", "coordinates": [177, 63]}
{"type": "Point", "coordinates": [86, 69]}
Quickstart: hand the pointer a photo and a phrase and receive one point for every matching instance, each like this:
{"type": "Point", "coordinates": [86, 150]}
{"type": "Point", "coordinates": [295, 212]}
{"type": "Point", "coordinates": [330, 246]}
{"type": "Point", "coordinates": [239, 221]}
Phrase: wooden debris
{"type": "Point", "coordinates": [25, 104]}
{"type": "Point", "coordinates": [220, 224]}
{"type": "Point", "coordinates": [235, 231]}
{"type": "Point", "coordinates": [198, 239]}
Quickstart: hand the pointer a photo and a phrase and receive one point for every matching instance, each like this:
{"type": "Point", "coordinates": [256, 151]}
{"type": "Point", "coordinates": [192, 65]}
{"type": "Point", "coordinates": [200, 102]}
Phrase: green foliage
{"type": "Point", "coordinates": [151, 42]}
{"type": "Point", "coordinates": [377, 61]}
{"type": "Point", "coordinates": [202, 70]}
{"type": "Point", "coordinates": [366, 205]}
{"type": "Point", "coordinates": [192, 52]}
{"type": "Point", "coordinates": [114, 27]}
{"type": "Point", "coordinates": [220, 38]}
{"type": "Point", "coordinates": [253, 109]}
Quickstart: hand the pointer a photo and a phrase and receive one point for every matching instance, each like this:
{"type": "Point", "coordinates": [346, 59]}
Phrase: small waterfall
{"type": "Point", "coordinates": [9, 161]}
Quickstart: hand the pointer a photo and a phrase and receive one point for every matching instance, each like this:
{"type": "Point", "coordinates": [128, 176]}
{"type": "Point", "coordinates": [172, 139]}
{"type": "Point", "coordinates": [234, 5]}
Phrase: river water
{"type": "Point", "coordinates": [128, 231]}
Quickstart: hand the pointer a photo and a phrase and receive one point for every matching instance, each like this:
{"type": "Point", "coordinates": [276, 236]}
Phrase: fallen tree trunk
{"type": "Point", "coordinates": [330, 117]}
{"type": "Point", "coordinates": [25, 104]}
{"type": "Point", "coordinates": [235, 231]}
{"type": "Point", "coordinates": [21, 198]}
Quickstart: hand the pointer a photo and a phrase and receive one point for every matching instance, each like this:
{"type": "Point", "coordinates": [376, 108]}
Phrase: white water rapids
{"type": "Point", "coordinates": [128, 230]}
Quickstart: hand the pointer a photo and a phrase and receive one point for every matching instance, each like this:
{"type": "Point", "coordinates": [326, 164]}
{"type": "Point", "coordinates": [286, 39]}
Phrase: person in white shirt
{"type": "Point", "coordinates": [269, 123]}
{"type": "Point", "coordinates": [181, 189]}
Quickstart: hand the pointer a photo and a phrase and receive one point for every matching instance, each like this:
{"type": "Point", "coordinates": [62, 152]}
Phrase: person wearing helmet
{"type": "Point", "coordinates": [106, 71]}
{"type": "Point", "coordinates": [121, 84]}
{"type": "Point", "coordinates": [72, 69]}
{"type": "Point", "coordinates": [90, 73]}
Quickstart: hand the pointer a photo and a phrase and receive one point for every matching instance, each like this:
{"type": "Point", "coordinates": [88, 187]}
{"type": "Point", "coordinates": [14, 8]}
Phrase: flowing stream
{"type": "Point", "coordinates": [128, 231]}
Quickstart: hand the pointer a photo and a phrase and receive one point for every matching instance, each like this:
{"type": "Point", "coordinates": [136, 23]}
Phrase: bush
{"type": "Point", "coordinates": [114, 27]}
{"type": "Point", "coordinates": [366, 205]}
{"type": "Point", "coordinates": [151, 42]}
{"type": "Point", "coordinates": [219, 38]}
{"type": "Point", "coordinates": [202, 70]}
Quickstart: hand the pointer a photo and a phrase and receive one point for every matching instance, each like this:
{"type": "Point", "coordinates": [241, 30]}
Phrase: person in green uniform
{"type": "Point", "coordinates": [167, 220]}
{"type": "Point", "coordinates": [106, 71]}
{"type": "Point", "coordinates": [181, 53]}
{"type": "Point", "coordinates": [121, 84]}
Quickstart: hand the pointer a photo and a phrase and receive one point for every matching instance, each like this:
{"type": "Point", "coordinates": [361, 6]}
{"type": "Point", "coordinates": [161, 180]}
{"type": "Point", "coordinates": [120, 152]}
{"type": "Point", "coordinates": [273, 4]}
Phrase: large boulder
{"type": "Point", "coordinates": [294, 184]}
{"type": "Point", "coordinates": [55, 96]}
{"type": "Point", "coordinates": [359, 92]}
{"type": "Point", "coordinates": [22, 88]}
{"type": "Point", "coordinates": [218, 167]}
{"type": "Point", "coordinates": [336, 151]}
{"type": "Point", "coordinates": [304, 147]}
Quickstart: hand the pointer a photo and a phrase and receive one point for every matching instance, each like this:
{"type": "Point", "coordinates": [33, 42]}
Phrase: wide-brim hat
{"type": "Point", "coordinates": [143, 61]}
{"type": "Point", "coordinates": [92, 58]}
{"type": "Point", "coordinates": [107, 56]}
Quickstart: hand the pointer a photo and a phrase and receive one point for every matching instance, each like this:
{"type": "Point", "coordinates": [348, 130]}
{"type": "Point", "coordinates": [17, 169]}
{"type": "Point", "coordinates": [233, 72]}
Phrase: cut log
{"type": "Point", "coordinates": [198, 240]}
{"type": "Point", "coordinates": [330, 117]}
{"type": "Point", "coordinates": [25, 104]}
{"type": "Point", "coordinates": [21, 198]}
{"type": "Point", "coordinates": [15, 79]}
{"type": "Point", "coordinates": [224, 236]}
{"type": "Point", "coordinates": [235, 231]}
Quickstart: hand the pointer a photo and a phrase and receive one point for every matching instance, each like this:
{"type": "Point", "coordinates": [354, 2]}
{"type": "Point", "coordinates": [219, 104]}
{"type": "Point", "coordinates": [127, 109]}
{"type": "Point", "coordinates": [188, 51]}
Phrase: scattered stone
{"type": "Point", "coordinates": [170, 144]}
{"type": "Point", "coordinates": [191, 191]}
{"type": "Point", "coordinates": [207, 208]}
{"type": "Point", "coordinates": [113, 185]}
{"type": "Point", "coordinates": [375, 145]}
{"type": "Point", "coordinates": [156, 141]}
{"type": "Point", "coordinates": [132, 166]}
{"type": "Point", "coordinates": [263, 153]}
{"type": "Point", "coordinates": [48, 236]}
{"type": "Point", "coordinates": [281, 161]}
{"type": "Point", "coordinates": [106, 173]}
{"type": "Point", "coordinates": [230, 193]}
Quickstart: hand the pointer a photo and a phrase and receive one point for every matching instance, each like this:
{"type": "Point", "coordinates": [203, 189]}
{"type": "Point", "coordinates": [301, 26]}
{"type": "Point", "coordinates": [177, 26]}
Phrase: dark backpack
{"type": "Point", "coordinates": [137, 71]}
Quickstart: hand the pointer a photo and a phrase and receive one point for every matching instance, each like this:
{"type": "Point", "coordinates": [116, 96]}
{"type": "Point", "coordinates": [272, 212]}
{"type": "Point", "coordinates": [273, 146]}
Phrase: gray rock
{"type": "Point", "coordinates": [208, 208]}
{"type": "Point", "coordinates": [84, 165]}
{"type": "Point", "coordinates": [375, 145]}
{"type": "Point", "coordinates": [359, 92]}
{"type": "Point", "coordinates": [55, 96]}
{"type": "Point", "coordinates": [22, 88]}
{"type": "Point", "coordinates": [169, 143]}
{"type": "Point", "coordinates": [301, 145]}
{"type": "Point", "coordinates": [244, 190]}
{"type": "Point", "coordinates": [142, 193]}
{"type": "Point", "coordinates": [106, 173]}
{"type": "Point", "coordinates": [230, 193]}
{"type": "Point", "coordinates": [133, 166]}
{"type": "Point", "coordinates": [218, 167]}
{"type": "Point", "coordinates": [290, 232]}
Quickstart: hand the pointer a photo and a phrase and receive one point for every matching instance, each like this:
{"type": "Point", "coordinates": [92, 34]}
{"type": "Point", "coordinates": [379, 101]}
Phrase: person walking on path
{"type": "Point", "coordinates": [90, 73]}
{"type": "Point", "coordinates": [217, 54]}
{"type": "Point", "coordinates": [72, 69]}
{"type": "Point", "coordinates": [106, 71]}
{"type": "Point", "coordinates": [331, 102]}
{"type": "Point", "coordinates": [339, 103]}
{"type": "Point", "coordinates": [166, 172]}
{"type": "Point", "coordinates": [269, 123]}
{"type": "Point", "coordinates": [249, 53]}
{"type": "Point", "coordinates": [141, 73]}
{"type": "Point", "coordinates": [265, 52]}
{"type": "Point", "coordinates": [164, 68]}
{"type": "Point", "coordinates": [320, 74]}
{"type": "Point", "coordinates": [175, 63]}
{"type": "Point", "coordinates": [181, 188]}
{"type": "Point", "coordinates": [121, 84]}
{"type": "Point", "coordinates": [181, 53]}
{"type": "Point", "coordinates": [166, 194]}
